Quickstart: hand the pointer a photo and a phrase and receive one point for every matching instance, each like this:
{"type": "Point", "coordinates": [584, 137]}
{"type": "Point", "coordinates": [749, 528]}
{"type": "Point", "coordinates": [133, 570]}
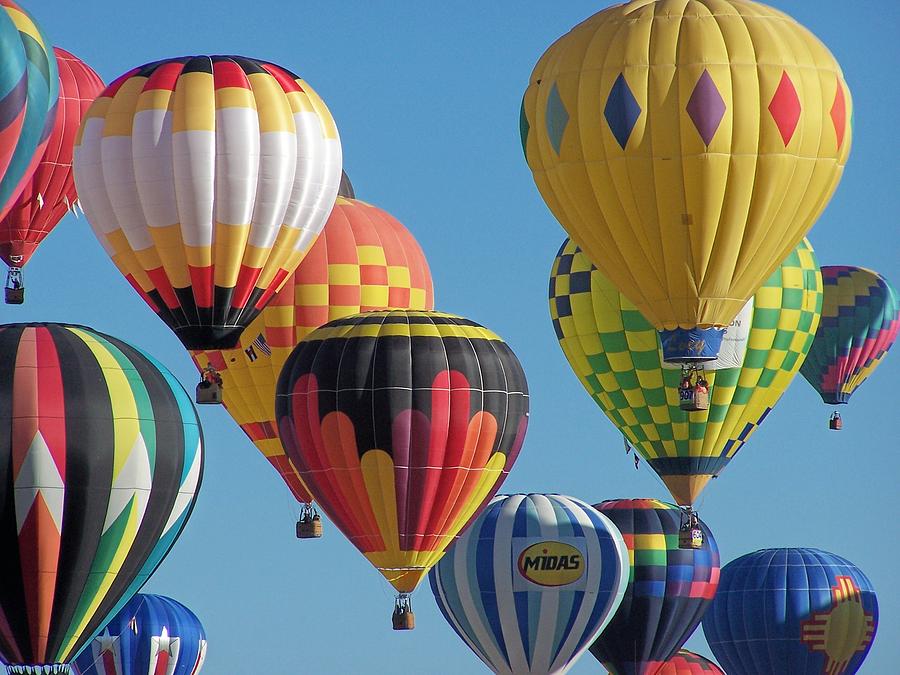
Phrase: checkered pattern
{"type": "Point", "coordinates": [860, 321]}
{"type": "Point", "coordinates": [364, 260]}
{"type": "Point", "coordinates": [614, 351]}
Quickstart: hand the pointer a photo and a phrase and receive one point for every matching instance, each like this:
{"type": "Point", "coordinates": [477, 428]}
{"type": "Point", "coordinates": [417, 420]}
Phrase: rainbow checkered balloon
{"type": "Point", "coordinates": [668, 591]}
{"type": "Point", "coordinates": [615, 353]}
{"type": "Point", "coordinates": [860, 321]}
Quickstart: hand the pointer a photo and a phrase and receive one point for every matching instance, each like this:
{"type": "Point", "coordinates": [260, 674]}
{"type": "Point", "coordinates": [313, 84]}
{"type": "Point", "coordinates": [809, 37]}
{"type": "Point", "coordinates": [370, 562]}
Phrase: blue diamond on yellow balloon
{"type": "Point", "coordinates": [557, 118]}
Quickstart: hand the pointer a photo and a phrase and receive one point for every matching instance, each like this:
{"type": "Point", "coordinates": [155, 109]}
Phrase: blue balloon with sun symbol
{"type": "Point", "coordinates": [796, 611]}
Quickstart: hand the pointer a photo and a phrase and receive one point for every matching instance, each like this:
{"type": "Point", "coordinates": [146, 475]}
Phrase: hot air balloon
{"type": "Point", "coordinates": [102, 456]}
{"type": "Point", "coordinates": [689, 663]}
{"type": "Point", "coordinates": [403, 424]}
{"type": "Point", "coordinates": [615, 352]}
{"type": "Point", "coordinates": [860, 321]}
{"type": "Point", "coordinates": [150, 634]}
{"type": "Point", "coordinates": [363, 260]}
{"type": "Point", "coordinates": [206, 179]}
{"type": "Point", "coordinates": [792, 610]}
{"type": "Point", "coordinates": [532, 582]}
{"type": "Point", "coordinates": [686, 148]}
{"type": "Point", "coordinates": [669, 588]}
{"type": "Point", "coordinates": [29, 87]}
{"type": "Point", "coordinates": [50, 191]}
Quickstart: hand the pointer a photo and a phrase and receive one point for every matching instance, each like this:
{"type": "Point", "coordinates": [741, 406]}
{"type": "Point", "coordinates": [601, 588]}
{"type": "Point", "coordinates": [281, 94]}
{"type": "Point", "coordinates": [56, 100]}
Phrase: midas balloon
{"type": "Point", "coordinates": [686, 148]}
{"type": "Point", "coordinates": [207, 179]}
{"type": "Point", "coordinates": [49, 194]}
{"type": "Point", "coordinates": [102, 457]}
{"type": "Point", "coordinates": [403, 424]}
{"type": "Point", "coordinates": [532, 581]}
{"type": "Point", "coordinates": [363, 260]}
{"type": "Point", "coordinates": [615, 353]}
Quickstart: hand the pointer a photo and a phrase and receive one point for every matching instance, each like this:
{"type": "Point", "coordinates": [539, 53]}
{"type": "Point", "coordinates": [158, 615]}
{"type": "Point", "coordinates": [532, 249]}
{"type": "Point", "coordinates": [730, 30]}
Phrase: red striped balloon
{"type": "Point", "coordinates": [50, 192]}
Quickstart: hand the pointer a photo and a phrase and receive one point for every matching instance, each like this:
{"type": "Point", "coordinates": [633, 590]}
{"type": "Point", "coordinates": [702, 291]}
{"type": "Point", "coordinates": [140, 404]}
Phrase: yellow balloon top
{"type": "Point", "coordinates": [687, 146]}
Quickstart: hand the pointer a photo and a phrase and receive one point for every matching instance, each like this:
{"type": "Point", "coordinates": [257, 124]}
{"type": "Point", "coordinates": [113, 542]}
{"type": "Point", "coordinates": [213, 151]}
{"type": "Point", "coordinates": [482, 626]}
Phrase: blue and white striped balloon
{"type": "Point", "coordinates": [532, 582]}
{"type": "Point", "coordinates": [150, 635]}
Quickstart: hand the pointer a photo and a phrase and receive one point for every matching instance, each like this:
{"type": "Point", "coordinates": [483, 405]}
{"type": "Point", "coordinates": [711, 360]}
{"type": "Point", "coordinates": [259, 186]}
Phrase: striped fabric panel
{"type": "Point", "coordinates": [28, 114]}
{"type": "Point", "coordinates": [49, 193]}
{"type": "Point", "coordinates": [516, 626]}
{"type": "Point", "coordinates": [256, 159]}
{"type": "Point", "coordinates": [370, 458]}
{"type": "Point", "coordinates": [115, 458]}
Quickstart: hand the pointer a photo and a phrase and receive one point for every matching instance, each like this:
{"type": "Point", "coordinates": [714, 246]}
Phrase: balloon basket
{"type": "Point", "coordinates": [309, 526]}
{"type": "Point", "coordinates": [14, 294]}
{"type": "Point", "coordinates": [690, 536]}
{"type": "Point", "coordinates": [835, 423]}
{"type": "Point", "coordinates": [209, 393]}
{"type": "Point", "coordinates": [693, 396]}
{"type": "Point", "coordinates": [403, 617]}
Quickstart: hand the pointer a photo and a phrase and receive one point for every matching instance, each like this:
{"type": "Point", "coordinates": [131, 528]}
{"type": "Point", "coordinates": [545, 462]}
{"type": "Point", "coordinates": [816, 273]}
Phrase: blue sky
{"type": "Point", "coordinates": [426, 97]}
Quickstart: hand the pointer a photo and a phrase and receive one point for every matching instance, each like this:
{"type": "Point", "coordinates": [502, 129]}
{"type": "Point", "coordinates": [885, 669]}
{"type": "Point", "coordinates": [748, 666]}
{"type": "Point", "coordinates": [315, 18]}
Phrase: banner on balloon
{"type": "Point", "coordinates": [549, 564]}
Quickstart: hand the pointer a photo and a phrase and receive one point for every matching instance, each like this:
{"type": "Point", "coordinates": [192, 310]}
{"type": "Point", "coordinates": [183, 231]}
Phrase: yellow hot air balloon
{"type": "Point", "coordinates": [687, 146]}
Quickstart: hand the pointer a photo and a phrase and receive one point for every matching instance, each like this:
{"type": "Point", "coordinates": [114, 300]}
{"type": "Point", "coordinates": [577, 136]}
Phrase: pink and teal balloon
{"type": "Point", "coordinates": [860, 321]}
{"type": "Point", "coordinates": [29, 89]}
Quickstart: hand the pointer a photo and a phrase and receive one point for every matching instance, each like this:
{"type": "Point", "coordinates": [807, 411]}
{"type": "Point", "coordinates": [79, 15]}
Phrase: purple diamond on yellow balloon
{"type": "Point", "coordinates": [706, 108]}
{"type": "Point", "coordinates": [557, 118]}
{"type": "Point", "coordinates": [622, 110]}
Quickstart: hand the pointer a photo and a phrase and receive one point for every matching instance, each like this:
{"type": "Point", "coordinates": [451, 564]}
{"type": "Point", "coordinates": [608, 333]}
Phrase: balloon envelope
{"type": "Point", "coordinates": [532, 581]}
{"type": "Point", "coordinates": [29, 88]}
{"type": "Point", "coordinates": [668, 590]}
{"type": "Point", "coordinates": [687, 148]}
{"type": "Point", "coordinates": [102, 455]}
{"type": "Point", "coordinates": [403, 424]}
{"type": "Point", "coordinates": [792, 610]}
{"type": "Point", "coordinates": [150, 634]}
{"type": "Point", "coordinates": [207, 179]}
{"type": "Point", "coordinates": [860, 322]}
{"type": "Point", "coordinates": [49, 194]}
{"type": "Point", "coordinates": [689, 663]}
{"type": "Point", "coordinates": [364, 260]}
{"type": "Point", "coordinates": [615, 353]}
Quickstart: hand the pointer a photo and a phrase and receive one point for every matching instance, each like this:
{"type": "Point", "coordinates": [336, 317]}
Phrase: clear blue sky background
{"type": "Point", "coordinates": [426, 96]}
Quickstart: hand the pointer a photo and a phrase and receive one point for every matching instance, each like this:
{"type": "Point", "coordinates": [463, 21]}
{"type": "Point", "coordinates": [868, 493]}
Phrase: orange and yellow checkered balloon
{"type": "Point", "coordinates": [363, 260]}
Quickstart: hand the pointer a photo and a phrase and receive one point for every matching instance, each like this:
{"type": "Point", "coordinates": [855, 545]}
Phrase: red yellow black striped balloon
{"type": "Point", "coordinates": [403, 424]}
{"type": "Point", "coordinates": [101, 457]}
{"type": "Point", "coordinates": [207, 179]}
{"type": "Point", "coordinates": [364, 260]}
